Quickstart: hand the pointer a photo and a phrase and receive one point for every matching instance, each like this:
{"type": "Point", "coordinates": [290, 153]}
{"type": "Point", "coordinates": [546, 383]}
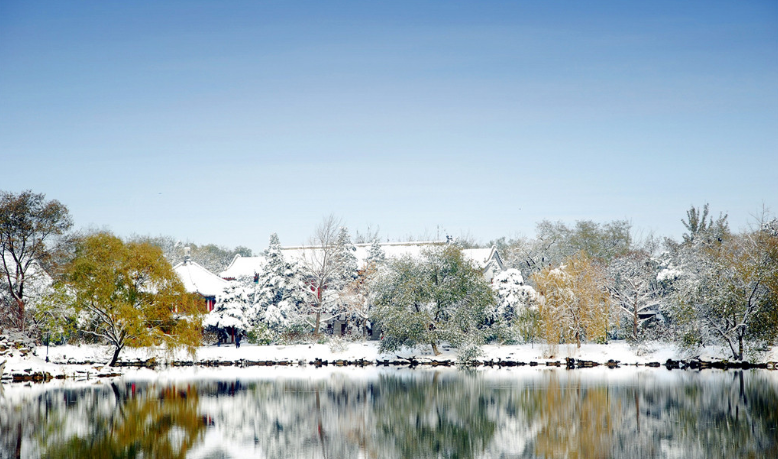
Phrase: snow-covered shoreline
{"type": "Point", "coordinates": [89, 361]}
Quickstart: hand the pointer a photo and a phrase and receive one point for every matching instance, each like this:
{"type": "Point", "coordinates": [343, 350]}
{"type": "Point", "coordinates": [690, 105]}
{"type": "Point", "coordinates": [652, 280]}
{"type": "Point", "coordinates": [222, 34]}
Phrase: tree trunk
{"type": "Point", "coordinates": [115, 355]}
{"type": "Point", "coordinates": [435, 349]}
{"type": "Point", "coordinates": [318, 311]}
{"type": "Point", "coordinates": [20, 314]}
{"type": "Point", "coordinates": [635, 319]}
{"type": "Point", "coordinates": [740, 347]}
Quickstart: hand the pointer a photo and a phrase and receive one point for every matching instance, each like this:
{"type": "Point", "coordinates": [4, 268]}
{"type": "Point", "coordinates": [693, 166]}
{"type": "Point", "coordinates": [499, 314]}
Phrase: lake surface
{"type": "Point", "coordinates": [398, 413]}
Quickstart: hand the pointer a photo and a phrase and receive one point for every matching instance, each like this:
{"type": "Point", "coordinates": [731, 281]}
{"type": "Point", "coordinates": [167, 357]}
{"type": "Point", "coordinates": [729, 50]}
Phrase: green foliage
{"type": "Point", "coordinates": [298, 333]}
{"type": "Point", "coordinates": [261, 334]}
{"type": "Point", "coordinates": [727, 294]}
{"type": "Point", "coordinates": [526, 326]}
{"type": "Point", "coordinates": [599, 241]}
{"type": "Point", "coordinates": [440, 297]}
{"type": "Point", "coordinates": [55, 317]}
{"type": "Point", "coordinates": [702, 228]}
{"type": "Point", "coordinates": [469, 352]}
{"type": "Point", "coordinates": [556, 241]}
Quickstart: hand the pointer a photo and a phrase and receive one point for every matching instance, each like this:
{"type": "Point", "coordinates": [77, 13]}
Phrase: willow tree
{"type": "Point", "coordinates": [129, 295]}
{"type": "Point", "coordinates": [573, 304]}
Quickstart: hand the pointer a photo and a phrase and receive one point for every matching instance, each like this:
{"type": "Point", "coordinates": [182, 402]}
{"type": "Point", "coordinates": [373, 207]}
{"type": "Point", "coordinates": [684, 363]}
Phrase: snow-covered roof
{"type": "Point", "coordinates": [243, 267]}
{"type": "Point", "coordinates": [483, 257]}
{"type": "Point", "coordinates": [391, 250]}
{"type": "Point", "coordinates": [248, 266]}
{"type": "Point", "coordinates": [36, 278]}
{"type": "Point", "coordinates": [197, 279]}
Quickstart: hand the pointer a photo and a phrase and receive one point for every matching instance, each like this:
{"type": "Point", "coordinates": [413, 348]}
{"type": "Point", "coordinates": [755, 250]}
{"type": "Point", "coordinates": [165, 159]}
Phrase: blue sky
{"type": "Point", "coordinates": [222, 122]}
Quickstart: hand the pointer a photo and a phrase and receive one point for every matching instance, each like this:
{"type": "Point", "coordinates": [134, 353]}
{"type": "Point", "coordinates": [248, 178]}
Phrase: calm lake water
{"type": "Point", "coordinates": [399, 413]}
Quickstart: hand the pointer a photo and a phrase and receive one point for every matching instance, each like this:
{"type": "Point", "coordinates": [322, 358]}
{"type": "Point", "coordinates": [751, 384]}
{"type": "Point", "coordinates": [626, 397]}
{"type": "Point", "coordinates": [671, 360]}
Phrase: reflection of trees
{"type": "Point", "coordinates": [94, 422]}
{"type": "Point", "coordinates": [692, 415]}
{"type": "Point", "coordinates": [728, 414]}
{"type": "Point", "coordinates": [419, 413]}
{"type": "Point", "coordinates": [431, 416]}
{"type": "Point", "coordinates": [282, 419]}
{"type": "Point", "coordinates": [339, 418]}
{"type": "Point", "coordinates": [576, 421]}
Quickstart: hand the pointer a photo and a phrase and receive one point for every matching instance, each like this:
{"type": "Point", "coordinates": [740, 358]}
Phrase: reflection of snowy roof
{"type": "Point", "coordinates": [197, 279]}
{"type": "Point", "coordinates": [248, 266]}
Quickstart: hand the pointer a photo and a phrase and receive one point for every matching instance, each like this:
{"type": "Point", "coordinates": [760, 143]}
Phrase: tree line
{"type": "Point", "coordinates": [569, 284]}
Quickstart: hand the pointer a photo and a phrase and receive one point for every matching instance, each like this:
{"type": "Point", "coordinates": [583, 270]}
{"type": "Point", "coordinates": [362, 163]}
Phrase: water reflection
{"type": "Point", "coordinates": [107, 422]}
{"type": "Point", "coordinates": [403, 414]}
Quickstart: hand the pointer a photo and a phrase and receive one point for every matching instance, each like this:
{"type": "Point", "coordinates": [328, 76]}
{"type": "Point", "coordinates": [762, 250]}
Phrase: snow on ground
{"type": "Point", "coordinates": [64, 358]}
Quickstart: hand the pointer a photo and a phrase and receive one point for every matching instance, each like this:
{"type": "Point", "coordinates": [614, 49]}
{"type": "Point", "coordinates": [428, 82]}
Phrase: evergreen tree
{"type": "Point", "coordinates": [375, 255]}
{"type": "Point", "coordinates": [233, 311]}
{"type": "Point", "coordinates": [345, 260]}
{"type": "Point", "coordinates": [513, 296]}
{"type": "Point", "coordinates": [279, 293]}
{"type": "Point", "coordinates": [514, 315]}
{"type": "Point", "coordinates": [702, 229]}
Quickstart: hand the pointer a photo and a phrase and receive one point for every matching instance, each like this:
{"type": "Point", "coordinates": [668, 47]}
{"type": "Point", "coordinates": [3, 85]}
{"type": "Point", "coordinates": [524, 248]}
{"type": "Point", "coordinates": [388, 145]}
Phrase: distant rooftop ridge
{"type": "Point", "coordinates": [368, 244]}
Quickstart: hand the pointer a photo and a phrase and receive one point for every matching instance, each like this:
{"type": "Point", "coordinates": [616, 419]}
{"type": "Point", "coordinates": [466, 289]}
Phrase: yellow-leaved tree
{"type": "Point", "coordinates": [574, 305]}
{"type": "Point", "coordinates": [129, 295]}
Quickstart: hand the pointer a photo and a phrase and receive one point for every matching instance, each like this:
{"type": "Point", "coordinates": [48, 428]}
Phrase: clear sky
{"type": "Point", "coordinates": [222, 122]}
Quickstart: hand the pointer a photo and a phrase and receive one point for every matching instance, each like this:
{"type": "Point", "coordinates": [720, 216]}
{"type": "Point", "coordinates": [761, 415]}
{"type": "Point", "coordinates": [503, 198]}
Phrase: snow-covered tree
{"type": "Point", "coordinates": [702, 228]}
{"type": "Point", "coordinates": [513, 295]}
{"type": "Point", "coordinates": [514, 314]}
{"type": "Point", "coordinates": [727, 291]}
{"type": "Point", "coordinates": [355, 298]}
{"type": "Point", "coordinates": [330, 265]}
{"type": "Point", "coordinates": [375, 255]}
{"type": "Point", "coordinates": [441, 297]}
{"type": "Point", "coordinates": [280, 292]}
{"type": "Point", "coordinates": [633, 287]}
{"type": "Point", "coordinates": [28, 226]}
{"type": "Point", "coordinates": [321, 268]}
{"type": "Point", "coordinates": [345, 259]}
{"type": "Point", "coordinates": [348, 286]}
{"type": "Point", "coordinates": [233, 311]}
